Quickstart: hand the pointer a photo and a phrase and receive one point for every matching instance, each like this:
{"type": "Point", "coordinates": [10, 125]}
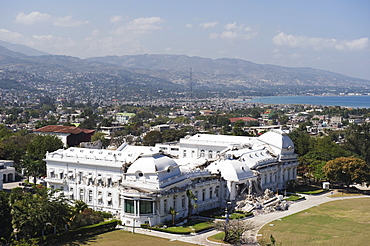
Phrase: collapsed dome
{"type": "Point", "coordinates": [232, 170]}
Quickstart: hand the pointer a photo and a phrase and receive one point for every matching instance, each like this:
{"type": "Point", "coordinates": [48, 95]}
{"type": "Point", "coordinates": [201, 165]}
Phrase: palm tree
{"type": "Point", "coordinates": [78, 207]}
{"type": "Point", "coordinates": [33, 168]}
{"type": "Point", "coordinates": [173, 214]}
{"type": "Point", "coordinates": [191, 205]}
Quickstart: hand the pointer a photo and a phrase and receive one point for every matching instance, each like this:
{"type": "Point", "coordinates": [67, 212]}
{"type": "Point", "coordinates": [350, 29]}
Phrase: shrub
{"type": "Point", "coordinates": [194, 226]}
{"type": "Point", "coordinates": [79, 232]}
{"type": "Point", "coordinates": [145, 226]}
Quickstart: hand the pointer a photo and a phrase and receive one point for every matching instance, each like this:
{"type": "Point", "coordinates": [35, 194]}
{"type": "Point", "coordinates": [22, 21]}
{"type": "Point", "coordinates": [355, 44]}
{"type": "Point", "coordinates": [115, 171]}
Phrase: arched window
{"type": "Point", "coordinates": [210, 154]}
{"type": "Point", "coordinates": [202, 153]}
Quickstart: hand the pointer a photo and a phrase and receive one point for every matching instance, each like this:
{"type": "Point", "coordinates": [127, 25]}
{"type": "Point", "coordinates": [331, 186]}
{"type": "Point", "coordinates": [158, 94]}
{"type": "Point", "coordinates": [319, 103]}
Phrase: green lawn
{"type": "Point", "coordinates": [218, 238]}
{"type": "Point", "coordinates": [344, 222]}
{"type": "Point", "coordinates": [125, 238]}
{"type": "Point", "coordinates": [294, 198]}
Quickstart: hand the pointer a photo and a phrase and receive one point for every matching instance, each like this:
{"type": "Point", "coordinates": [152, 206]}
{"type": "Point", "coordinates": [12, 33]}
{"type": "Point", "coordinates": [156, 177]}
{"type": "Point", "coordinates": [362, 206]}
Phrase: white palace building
{"type": "Point", "coordinates": [140, 184]}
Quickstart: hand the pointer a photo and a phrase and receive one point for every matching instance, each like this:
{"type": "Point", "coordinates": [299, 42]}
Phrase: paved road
{"type": "Point", "coordinates": [259, 221]}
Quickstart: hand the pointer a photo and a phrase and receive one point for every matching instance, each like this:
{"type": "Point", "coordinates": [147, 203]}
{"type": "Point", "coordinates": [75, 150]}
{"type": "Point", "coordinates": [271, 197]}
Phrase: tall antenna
{"type": "Point", "coordinates": [191, 83]}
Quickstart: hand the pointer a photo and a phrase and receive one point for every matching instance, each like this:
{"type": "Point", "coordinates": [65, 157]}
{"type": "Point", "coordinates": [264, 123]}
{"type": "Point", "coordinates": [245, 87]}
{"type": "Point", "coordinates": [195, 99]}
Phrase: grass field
{"type": "Point", "coordinates": [124, 238]}
{"type": "Point", "coordinates": [218, 238]}
{"type": "Point", "coordinates": [343, 222]}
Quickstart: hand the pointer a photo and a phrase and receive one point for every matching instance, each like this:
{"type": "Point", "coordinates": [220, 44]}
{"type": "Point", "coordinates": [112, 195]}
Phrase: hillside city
{"type": "Point", "coordinates": [90, 152]}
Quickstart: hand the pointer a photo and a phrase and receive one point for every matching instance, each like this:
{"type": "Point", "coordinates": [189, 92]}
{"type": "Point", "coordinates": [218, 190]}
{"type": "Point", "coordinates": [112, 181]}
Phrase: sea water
{"type": "Point", "coordinates": [344, 101]}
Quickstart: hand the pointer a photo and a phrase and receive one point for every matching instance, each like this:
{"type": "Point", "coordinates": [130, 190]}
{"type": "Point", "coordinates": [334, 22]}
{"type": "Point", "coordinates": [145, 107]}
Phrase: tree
{"type": "Point", "coordinates": [234, 230]}
{"type": "Point", "coordinates": [100, 136]}
{"type": "Point", "coordinates": [5, 225]}
{"type": "Point", "coordinates": [357, 140]}
{"type": "Point", "coordinates": [40, 144]}
{"type": "Point", "coordinates": [173, 214]}
{"type": "Point", "coordinates": [34, 212]}
{"type": "Point", "coordinates": [283, 119]}
{"type": "Point", "coordinates": [88, 123]}
{"type": "Point", "coordinates": [300, 139]}
{"type": "Point", "coordinates": [36, 151]}
{"type": "Point", "coordinates": [238, 128]}
{"type": "Point", "coordinates": [191, 205]}
{"type": "Point", "coordinates": [34, 168]}
{"type": "Point", "coordinates": [347, 170]}
{"type": "Point", "coordinates": [151, 138]}
{"type": "Point", "coordinates": [77, 208]}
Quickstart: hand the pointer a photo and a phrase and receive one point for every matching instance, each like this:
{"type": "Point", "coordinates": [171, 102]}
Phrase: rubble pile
{"type": "Point", "coordinates": [267, 203]}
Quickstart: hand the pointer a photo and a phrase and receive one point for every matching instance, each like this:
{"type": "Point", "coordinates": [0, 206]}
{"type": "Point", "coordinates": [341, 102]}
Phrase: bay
{"type": "Point", "coordinates": [343, 101]}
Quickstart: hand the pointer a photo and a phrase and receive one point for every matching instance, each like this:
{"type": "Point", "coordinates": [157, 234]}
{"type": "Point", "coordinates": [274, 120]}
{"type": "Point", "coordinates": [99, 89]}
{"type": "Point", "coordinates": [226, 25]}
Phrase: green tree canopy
{"type": "Point", "coordinates": [348, 170]}
{"type": "Point", "coordinates": [357, 140]}
{"type": "Point", "coordinates": [151, 138]}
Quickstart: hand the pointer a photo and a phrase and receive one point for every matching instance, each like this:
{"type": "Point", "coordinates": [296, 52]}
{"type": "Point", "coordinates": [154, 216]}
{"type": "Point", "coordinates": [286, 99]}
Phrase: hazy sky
{"type": "Point", "coordinates": [325, 34]}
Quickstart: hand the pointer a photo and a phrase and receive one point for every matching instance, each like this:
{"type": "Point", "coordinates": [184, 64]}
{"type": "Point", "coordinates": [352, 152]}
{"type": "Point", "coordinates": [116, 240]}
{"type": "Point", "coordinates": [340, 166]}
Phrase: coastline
{"type": "Point", "coordinates": [350, 101]}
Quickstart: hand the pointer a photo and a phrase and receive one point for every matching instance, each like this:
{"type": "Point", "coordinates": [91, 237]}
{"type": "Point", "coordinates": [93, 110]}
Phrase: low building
{"type": "Point", "coordinates": [141, 184]}
{"type": "Point", "coordinates": [70, 135]}
{"type": "Point", "coordinates": [7, 172]}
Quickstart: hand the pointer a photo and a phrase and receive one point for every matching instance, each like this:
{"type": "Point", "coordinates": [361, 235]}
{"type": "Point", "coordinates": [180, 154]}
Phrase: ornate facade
{"type": "Point", "coordinates": [141, 184]}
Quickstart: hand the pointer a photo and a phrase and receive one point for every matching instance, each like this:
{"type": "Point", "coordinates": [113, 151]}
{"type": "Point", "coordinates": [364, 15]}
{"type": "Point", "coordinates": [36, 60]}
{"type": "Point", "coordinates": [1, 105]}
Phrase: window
{"type": "Point", "coordinates": [109, 199]}
{"type": "Point", "coordinates": [202, 153]}
{"type": "Point", "coordinates": [81, 195]}
{"type": "Point", "coordinates": [119, 200]}
{"type": "Point", "coordinates": [52, 175]}
{"type": "Point", "coordinates": [165, 205]}
{"type": "Point", "coordinates": [71, 193]}
{"type": "Point", "coordinates": [183, 201]}
{"type": "Point", "coordinates": [196, 196]}
{"type": "Point", "coordinates": [90, 195]}
{"type": "Point", "coordinates": [270, 177]}
{"type": "Point", "coordinates": [210, 193]}
{"type": "Point", "coordinates": [52, 187]}
{"type": "Point", "coordinates": [129, 206]}
{"type": "Point", "coordinates": [210, 154]}
{"type": "Point", "coordinates": [100, 198]}
{"type": "Point", "coordinates": [146, 207]}
{"type": "Point", "coordinates": [203, 194]}
{"type": "Point", "coordinates": [184, 153]}
{"type": "Point", "coordinates": [174, 202]}
{"type": "Point", "coordinates": [61, 175]}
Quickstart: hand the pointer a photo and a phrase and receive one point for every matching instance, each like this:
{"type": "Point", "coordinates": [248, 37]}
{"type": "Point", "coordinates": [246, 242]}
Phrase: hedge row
{"type": "Point", "coordinates": [79, 232]}
{"type": "Point", "coordinates": [182, 229]}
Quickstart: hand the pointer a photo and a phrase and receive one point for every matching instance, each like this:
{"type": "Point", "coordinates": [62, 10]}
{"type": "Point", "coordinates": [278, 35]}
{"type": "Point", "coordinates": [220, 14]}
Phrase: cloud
{"type": "Point", "coordinates": [68, 21]}
{"type": "Point", "coordinates": [37, 17]}
{"type": "Point", "coordinates": [116, 18]}
{"type": "Point", "coordinates": [283, 39]}
{"type": "Point", "coordinates": [9, 36]}
{"type": "Point", "coordinates": [188, 25]}
{"type": "Point", "coordinates": [141, 25]}
{"type": "Point", "coordinates": [235, 31]}
{"type": "Point", "coordinates": [32, 18]}
{"type": "Point", "coordinates": [206, 25]}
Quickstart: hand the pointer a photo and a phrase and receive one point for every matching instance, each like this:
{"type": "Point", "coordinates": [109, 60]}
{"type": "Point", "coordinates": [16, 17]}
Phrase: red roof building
{"type": "Point", "coordinates": [70, 135]}
{"type": "Point", "coordinates": [245, 119]}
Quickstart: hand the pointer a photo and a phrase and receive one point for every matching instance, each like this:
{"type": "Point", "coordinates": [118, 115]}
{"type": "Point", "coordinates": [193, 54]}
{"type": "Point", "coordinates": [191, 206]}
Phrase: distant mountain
{"type": "Point", "coordinates": [236, 72]}
{"type": "Point", "coordinates": [22, 49]}
{"type": "Point", "coordinates": [140, 77]}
